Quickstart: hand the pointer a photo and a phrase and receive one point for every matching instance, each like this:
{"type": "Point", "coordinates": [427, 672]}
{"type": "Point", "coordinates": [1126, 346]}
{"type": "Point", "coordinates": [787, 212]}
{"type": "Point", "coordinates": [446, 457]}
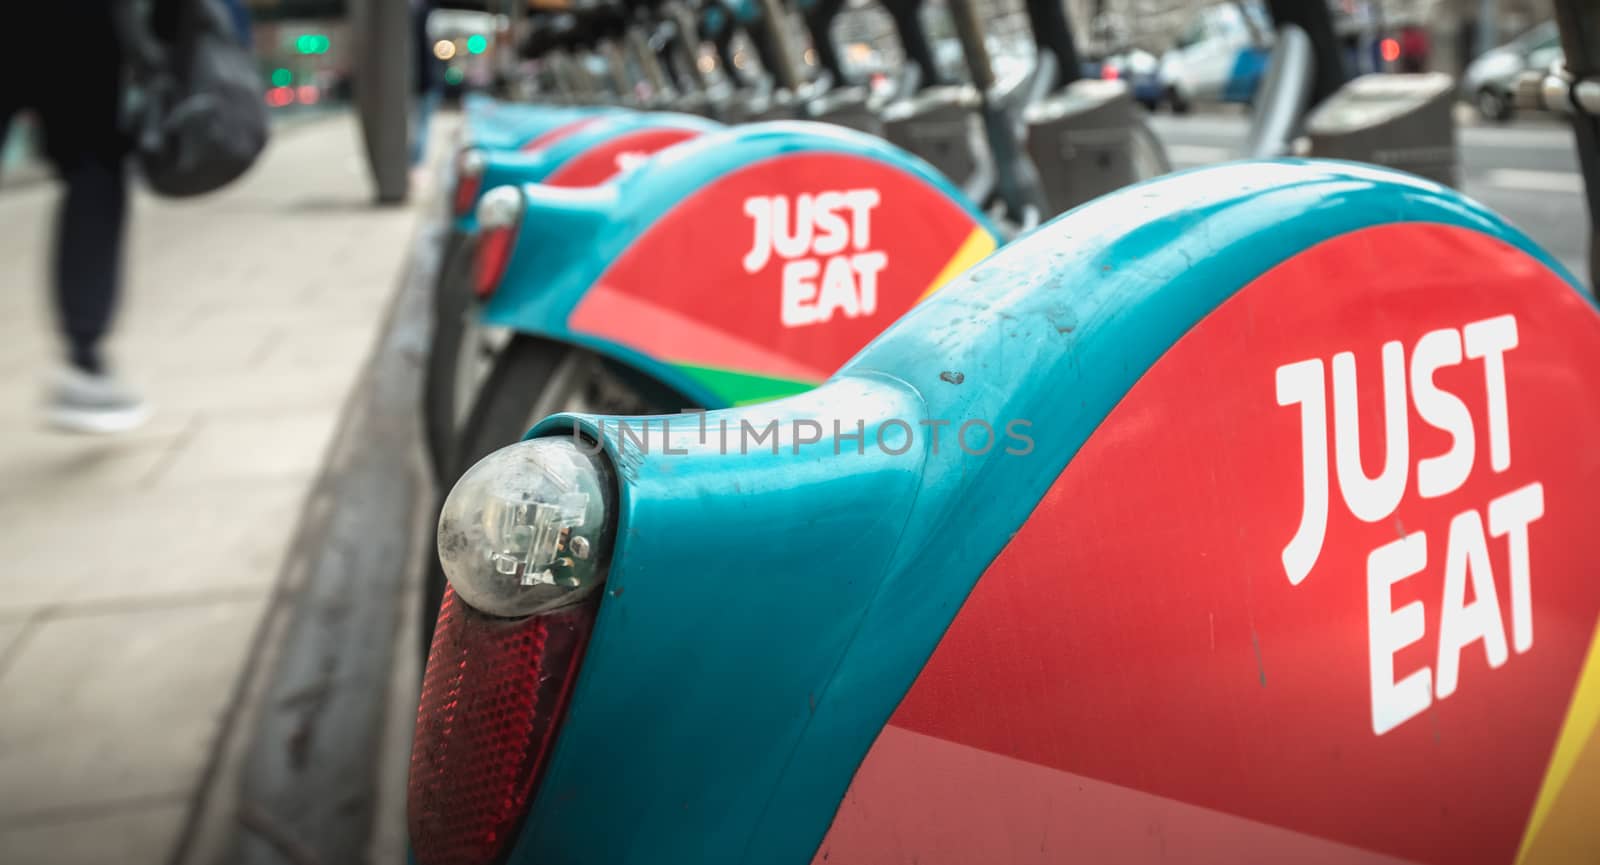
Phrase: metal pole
{"type": "Point", "coordinates": [592, 88]}
{"type": "Point", "coordinates": [689, 44]}
{"type": "Point", "coordinates": [1579, 22]}
{"type": "Point", "coordinates": [617, 65]}
{"type": "Point", "coordinates": [567, 73]}
{"type": "Point", "coordinates": [648, 62]}
{"type": "Point", "coordinates": [777, 38]}
{"type": "Point", "coordinates": [516, 17]}
{"type": "Point", "coordinates": [723, 43]}
{"type": "Point", "coordinates": [1488, 26]}
{"type": "Point", "coordinates": [385, 64]}
{"type": "Point", "coordinates": [565, 82]}
{"type": "Point", "coordinates": [970, 31]}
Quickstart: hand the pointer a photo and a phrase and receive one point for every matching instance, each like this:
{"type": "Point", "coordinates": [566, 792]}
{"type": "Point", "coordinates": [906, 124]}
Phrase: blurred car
{"type": "Point", "coordinates": [1489, 80]}
{"type": "Point", "coordinates": [1219, 57]}
{"type": "Point", "coordinates": [1142, 72]}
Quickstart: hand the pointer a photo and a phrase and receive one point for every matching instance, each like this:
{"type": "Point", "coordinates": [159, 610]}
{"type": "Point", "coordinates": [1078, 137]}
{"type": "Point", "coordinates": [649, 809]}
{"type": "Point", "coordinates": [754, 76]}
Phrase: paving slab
{"type": "Point", "coordinates": [212, 392]}
{"type": "Point", "coordinates": [218, 536]}
{"type": "Point", "coordinates": [10, 633]}
{"type": "Point", "coordinates": [137, 835]}
{"type": "Point", "coordinates": [117, 705]}
{"type": "Point", "coordinates": [261, 446]}
{"type": "Point", "coordinates": [40, 466]}
{"type": "Point", "coordinates": [136, 570]}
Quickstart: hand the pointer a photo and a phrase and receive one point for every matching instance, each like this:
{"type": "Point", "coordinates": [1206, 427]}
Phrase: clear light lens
{"type": "Point", "coordinates": [523, 531]}
{"type": "Point", "coordinates": [500, 207]}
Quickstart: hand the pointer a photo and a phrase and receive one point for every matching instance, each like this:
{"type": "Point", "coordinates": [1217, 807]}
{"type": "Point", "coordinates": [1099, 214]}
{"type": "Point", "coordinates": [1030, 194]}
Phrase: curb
{"type": "Point", "coordinates": [309, 764]}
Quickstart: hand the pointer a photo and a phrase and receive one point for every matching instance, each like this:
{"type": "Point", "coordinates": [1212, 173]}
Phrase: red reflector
{"type": "Point", "coordinates": [492, 700]}
{"type": "Point", "coordinates": [494, 252]}
{"type": "Point", "coordinates": [1108, 72]}
{"type": "Point", "coordinates": [467, 186]}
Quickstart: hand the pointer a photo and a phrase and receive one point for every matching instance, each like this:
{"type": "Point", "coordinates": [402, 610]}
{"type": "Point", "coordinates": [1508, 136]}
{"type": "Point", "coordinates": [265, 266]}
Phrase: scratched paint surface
{"type": "Point", "coordinates": [1405, 693]}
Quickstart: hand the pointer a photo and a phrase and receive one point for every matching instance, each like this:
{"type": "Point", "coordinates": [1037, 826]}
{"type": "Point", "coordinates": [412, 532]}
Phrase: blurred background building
{"type": "Point", "coordinates": [1456, 30]}
{"type": "Point", "coordinates": [1453, 25]}
{"type": "Point", "coordinates": [305, 48]}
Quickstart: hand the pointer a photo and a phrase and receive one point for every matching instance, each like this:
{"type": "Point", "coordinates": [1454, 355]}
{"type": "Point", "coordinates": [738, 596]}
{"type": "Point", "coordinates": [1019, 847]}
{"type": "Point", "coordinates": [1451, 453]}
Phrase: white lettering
{"type": "Point", "coordinates": [1443, 474]}
{"type": "Point", "coordinates": [1490, 339]}
{"type": "Point", "coordinates": [1371, 499]}
{"type": "Point", "coordinates": [838, 290]}
{"type": "Point", "coordinates": [1462, 623]}
{"type": "Point", "coordinates": [799, 243]}
{"type": "Point", "coordinates": [1509, 517]}
{"type": "Point", "coordinates": [760, 212]}
{"type": "Point", "coordinates": [1470, 608]}
{"type": "Point", "coordinates": [849, 282]}
{"type": "Point", "coordinates": [1389, 630]}
{"type": "Point", "coordinates": [799, 292]}
{"type": "Point", "coordinates": [861, 202]}
{"type": "Point", "coordinates": [833, 233]}
{"type": "Point", "coordinates": [867, 266]}
{"type": "Point", "coordinates": [1301, 384]}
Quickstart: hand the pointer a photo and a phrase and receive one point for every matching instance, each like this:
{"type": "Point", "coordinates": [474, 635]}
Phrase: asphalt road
{"type": "Point", "coordinates": [1527, 172]}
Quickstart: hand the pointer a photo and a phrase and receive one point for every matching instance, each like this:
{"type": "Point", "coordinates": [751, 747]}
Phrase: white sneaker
{"type": "Point", "coordinates": [85, 402]}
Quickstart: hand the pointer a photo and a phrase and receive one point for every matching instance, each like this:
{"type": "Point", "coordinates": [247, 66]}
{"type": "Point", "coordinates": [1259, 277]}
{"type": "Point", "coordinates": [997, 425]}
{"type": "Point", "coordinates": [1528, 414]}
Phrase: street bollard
{"type": "Point", "coordinates": [1082, 141]}
{"type": "Point", "coordinates": [384, 61]}
{"type": "Point", "coordinates": [940, 125]}
{"type": "Point", "coordinates": [1405, 122]}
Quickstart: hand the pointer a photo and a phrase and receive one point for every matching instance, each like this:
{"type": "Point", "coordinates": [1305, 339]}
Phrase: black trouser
{"type": "Point", "coordinates": [67, 69]}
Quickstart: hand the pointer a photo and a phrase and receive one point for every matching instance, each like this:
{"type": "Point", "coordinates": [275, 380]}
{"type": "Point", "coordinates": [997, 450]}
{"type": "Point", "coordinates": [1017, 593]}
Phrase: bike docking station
{"type": "Point", "coordinates": [1309, 421]}
{"type": "Point", "coordinates": [1403, 122]}
{"type": "Point", "coordinates": [1238, 514]}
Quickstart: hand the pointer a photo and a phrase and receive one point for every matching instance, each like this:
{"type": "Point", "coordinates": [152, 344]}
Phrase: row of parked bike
{"type": "Point", "coordinates": [829, 470]}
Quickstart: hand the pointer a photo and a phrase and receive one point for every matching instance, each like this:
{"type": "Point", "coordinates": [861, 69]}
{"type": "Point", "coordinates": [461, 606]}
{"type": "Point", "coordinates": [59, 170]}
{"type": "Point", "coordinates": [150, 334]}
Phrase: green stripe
{"type": "Point", "coordinates": [743, 388]}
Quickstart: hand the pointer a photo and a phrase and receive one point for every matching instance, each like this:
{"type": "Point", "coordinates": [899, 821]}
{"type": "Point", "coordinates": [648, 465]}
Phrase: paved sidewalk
{"type": "Point", "coordinates": [134, 571]}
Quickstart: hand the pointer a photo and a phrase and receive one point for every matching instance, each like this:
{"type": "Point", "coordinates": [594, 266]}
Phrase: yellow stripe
{"type": "Point", "coordinates": [977, 245]}
{"type": "Point", "coordinates": [1582, 716]}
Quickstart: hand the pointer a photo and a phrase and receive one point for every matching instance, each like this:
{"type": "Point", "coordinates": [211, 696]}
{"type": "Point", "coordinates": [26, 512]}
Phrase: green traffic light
{"type": "Point", "coordinates": [452, 75]}
{"type": "Point", "coordinates": [311, 43]}
{"type": "Point", "coordinates": [282, 77]}
{"type": "Point", "coordinates": [476, 44]}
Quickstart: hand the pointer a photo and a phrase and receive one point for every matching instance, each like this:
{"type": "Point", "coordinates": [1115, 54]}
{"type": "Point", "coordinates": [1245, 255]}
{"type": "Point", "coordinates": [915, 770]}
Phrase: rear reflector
{"type": "Point", "coordinates": [469, 181]}
{"type": "Point", "coordinates": [499, 216]}
{"type": "Point", "coordinates": [466, 194]}
{"type": "Point", "coordinates": [492, 700]}
{"type": "Point", "coordinates": [494, 252]}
